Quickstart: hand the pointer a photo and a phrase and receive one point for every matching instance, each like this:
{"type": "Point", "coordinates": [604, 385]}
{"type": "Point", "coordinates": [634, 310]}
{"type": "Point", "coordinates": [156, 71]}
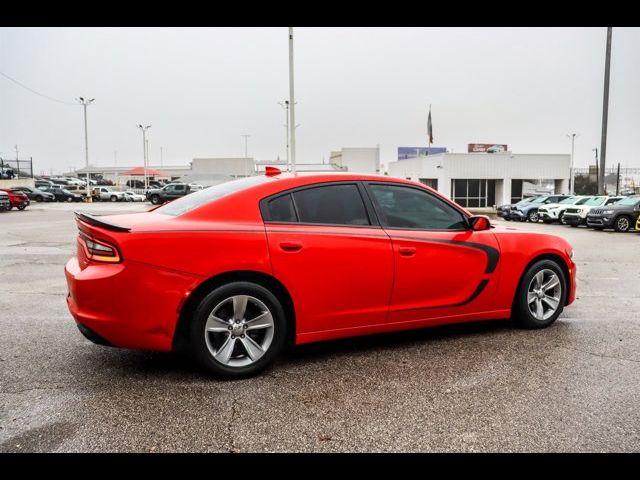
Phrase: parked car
{"type": "Point", "coordinates": [63, 195]}
{"type": "Point", "coordinates": [44, 183]}
{"type": "Point", "coordinates": [104, 181]}
{"type": "Point", "coordinates": [5, 204]}
{"type": "Point", "coordinates": [35, 194]}
{"type": "Point", "coordinates": [168, 193]}
{"type": "Point", "coordinates": [620, 216]}
{"type": "Point", "coordinates": [195, 186]}
{"type": "Point", "coordinates": [638, 225]}
{"type": "Point", "coordinates": [504, 211]}
{"type": "Point", "coordinates": [7, 173]}
{"type": "Point", "coordinates": [553, 212]}
{"type": "Point", "coordinates": [134, 197]}
{"type": "Point", "coordinates": [529, 211]}
{"type": "Point", "coordinates": [577, 215]}
{"type": "Point", "coordinates": [235, 272]}
{"type": "Point", "coordinates": [60, 181]}
{"type": "Point", "coordinates": [106, 194]}
{"type": "Point", "coordinates": [16, 199]}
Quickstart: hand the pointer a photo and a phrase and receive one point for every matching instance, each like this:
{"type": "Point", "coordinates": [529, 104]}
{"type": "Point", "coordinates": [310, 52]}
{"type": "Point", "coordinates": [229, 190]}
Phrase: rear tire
{"type": "Point", "coordinates": [541, 295]}
{"type": "Point", "coordinates": [237, 341]}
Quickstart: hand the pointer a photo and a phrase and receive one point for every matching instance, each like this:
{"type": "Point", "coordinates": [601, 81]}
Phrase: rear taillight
{"type": "Point", "coordinates": [98, 250]}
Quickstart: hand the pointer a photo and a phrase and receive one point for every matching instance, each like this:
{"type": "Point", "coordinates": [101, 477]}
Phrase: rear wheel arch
{"type": "Point", "coordinates": [181, 334]}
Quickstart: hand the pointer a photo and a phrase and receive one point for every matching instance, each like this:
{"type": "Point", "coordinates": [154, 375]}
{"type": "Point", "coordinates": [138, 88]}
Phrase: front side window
{"type": "Point", "coordinates": [406, 207]}
{"type": "Point", "coordinates": [331, 204]}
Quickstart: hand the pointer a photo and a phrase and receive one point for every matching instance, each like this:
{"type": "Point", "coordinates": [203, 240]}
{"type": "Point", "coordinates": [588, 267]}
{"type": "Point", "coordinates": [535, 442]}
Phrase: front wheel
{"type": "Point", "coordinates": [623, 224]}
{"type": "Point", "coordinates": [155, 199]}
{"type": "Point", "coordinates": [22, 207]}
{"type": "Point", "coordinates": [532, 216]}
{"type": "Point", "coordinates": [541, 295]}
{"type": "Point", "coordinates": [69, 199]}
{"type": "Point", "coordinates": [39, 199]}
{"type": "Point", "coordinates": [237, 330]}
{"type": "Point", "coordinates": [114, 198]}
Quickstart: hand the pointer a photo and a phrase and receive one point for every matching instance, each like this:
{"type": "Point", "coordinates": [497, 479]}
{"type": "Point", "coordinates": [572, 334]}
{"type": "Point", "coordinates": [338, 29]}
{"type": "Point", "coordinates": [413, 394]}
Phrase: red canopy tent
{"type": "Point", "coordinates": [139, 172]}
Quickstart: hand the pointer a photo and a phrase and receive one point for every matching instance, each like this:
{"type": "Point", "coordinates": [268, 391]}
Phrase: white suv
{"type": "Point", "coordinates": [577, 214]}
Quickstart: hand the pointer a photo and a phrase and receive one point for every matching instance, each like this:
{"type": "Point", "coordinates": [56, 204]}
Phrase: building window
{"type": "Point", "coordinates": [429, 182]}
{"type": "Point", "coordinates": [473, 193]}
{"type": "Point", "coordinates": [516, 191]}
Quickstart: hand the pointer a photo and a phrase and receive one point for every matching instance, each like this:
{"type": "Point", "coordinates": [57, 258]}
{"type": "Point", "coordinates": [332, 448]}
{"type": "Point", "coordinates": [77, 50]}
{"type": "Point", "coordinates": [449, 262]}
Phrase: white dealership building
{"type": "Point", "coordinates": [484, 180]}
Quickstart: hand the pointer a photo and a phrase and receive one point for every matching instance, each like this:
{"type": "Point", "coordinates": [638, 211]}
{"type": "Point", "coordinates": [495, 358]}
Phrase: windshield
{"type": "Point", "coordinates": [582, 201]}
{"type": "Point", "coordinates": [528, 200]}
{"type": "Point", "coordinates": [569, 201]}
{"type": "Point", "coordinates": [629, 201]}
{"type": "Point", "coordinates": [595, 201]}
{"type": "Point", "coordinates": [206, 195]}
{"type": "Point", "coordinates": [66, 191]}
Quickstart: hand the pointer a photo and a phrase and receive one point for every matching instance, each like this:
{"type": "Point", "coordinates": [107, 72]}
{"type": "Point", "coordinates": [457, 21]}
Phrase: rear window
{"type": "Point", "coordinates": [207, 195]}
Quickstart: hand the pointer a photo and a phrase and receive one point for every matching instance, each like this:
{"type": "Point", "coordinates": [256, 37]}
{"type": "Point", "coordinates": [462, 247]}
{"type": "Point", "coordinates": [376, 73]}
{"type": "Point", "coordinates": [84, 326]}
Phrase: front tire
{"type": "Point", "coordinates": [533, 216]}
{"type": "Point", "coordinates": [114, 198]}
{"type": "Point", "coordinates": [155, 199]}
{"type": "Point", "coordinates": [237, 330]}
{"type": "Point", "coordinates": [541, 295]}
{"type": "Point", "coordinates": [623, 224]}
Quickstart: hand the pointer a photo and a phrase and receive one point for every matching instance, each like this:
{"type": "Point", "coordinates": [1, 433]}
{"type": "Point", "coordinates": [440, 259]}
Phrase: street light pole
{"type": "Point", "coordinates": [285, 105]}
{"type": "Point", "coordinates": [84, 102]}
{"type": "Point", "coordinates": [246, 152]}
{"type": "Point", "coordinates": [571, 178]}
{"type": "Point", "coordinates": [605, 114]}
{"type": "Point", "coordinates": [292, 104]}
{"type": "Point", "coordinates": [144, 153]}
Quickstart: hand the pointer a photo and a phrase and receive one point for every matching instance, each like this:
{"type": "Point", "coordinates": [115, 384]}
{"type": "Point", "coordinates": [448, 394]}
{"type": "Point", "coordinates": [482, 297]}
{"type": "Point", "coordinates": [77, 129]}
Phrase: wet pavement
{"type": "Point", "coordinates": [481, 387]}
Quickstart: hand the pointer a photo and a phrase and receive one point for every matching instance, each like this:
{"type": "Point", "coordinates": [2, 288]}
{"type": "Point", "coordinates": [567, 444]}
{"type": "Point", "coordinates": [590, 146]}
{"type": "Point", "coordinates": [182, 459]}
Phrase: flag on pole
{"type": "Point", "coordinates": [430, 128]}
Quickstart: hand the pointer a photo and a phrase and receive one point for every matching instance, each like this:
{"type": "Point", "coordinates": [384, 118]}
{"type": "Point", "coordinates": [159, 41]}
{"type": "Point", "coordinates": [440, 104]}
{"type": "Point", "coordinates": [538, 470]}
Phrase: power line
{"type": "Point", "coordinates": [33, 91]}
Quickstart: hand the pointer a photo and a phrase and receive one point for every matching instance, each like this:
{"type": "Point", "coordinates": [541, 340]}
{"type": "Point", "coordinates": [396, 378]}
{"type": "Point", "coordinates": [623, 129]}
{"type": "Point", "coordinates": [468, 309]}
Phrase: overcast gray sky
{"type": "Point", "coordinates": [202, 88]}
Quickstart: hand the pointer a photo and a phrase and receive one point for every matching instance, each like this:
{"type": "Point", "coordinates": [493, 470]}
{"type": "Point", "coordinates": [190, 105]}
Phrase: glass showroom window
{"type": "Point", "coordinates": [473, 193]}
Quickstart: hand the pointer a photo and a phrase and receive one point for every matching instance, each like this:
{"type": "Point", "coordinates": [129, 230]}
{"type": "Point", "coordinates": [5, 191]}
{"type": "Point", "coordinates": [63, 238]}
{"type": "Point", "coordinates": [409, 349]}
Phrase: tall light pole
{"type": "Point", "coordinates": [292, 104]}
{"type": "Point", "coordinates": [246, 152]}
{"type": "Point", "coordinates": [605, 114]}
{"type": "Point", "coordinates": [84, 102]}
{"type": "Point", "coordinates": [285, 105]}
{"type": "Point", "coordinates": [571, 179]}
{"type": "Point", "coordinates": [144, 153]}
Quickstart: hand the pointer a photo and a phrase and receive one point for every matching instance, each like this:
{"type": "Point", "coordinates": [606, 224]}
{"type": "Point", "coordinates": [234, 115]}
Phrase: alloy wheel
{"type": "Point", "coordinates": [544, 294]}
{"type": "Point", "coordinates": [623, 224]}
{"type": "Point", "coordinates": [239, 331]}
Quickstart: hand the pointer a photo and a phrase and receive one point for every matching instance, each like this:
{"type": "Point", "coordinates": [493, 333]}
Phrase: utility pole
{"type": "Point", "coordinates": [597, 169]}
{"type": "Point", "coordinates": [618, 180]}
{"type": "Point", "coordinates": [285, 105]}
{"type": "Point", "coordinates": [246, 152]}
{"type": "Point", "coordinates": [292, 104]}
{"type": "Point", "coordinates": [84, 104]}
{"type": "Point", "coordinates": [571, 178]}
{"type": "Point", "coordinates": [144, 153]}
{"type": "Point", "coordinates": [605, 114]}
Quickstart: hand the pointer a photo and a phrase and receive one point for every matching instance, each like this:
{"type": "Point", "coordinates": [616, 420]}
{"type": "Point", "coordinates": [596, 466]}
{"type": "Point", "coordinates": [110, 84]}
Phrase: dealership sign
{"type": "Point", "coordinates": [487, 147]}
{"type": "Point", "coordinates": [405, 153]}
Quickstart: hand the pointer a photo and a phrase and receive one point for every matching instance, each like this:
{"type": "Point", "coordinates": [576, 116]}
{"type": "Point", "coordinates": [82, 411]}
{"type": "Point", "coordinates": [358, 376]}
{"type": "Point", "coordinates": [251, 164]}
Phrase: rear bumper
{"type": "Point", "coordinates": [130, 305]}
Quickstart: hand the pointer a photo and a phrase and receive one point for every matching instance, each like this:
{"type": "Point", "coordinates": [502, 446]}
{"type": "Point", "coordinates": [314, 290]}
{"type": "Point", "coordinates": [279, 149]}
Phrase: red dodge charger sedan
{"type": "Point", "coordinates": [235, 272]}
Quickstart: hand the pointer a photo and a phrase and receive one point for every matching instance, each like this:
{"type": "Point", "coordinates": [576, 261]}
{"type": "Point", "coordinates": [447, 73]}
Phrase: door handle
{"type": "Point", "coordinates": [291, 246]}
{"type": "Point", "coordinates": [407, 251]}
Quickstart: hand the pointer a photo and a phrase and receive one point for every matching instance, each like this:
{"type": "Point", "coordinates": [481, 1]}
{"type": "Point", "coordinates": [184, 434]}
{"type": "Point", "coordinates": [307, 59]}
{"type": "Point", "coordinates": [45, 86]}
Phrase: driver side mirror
{"type": "Point", "coordinates": [479, 222]}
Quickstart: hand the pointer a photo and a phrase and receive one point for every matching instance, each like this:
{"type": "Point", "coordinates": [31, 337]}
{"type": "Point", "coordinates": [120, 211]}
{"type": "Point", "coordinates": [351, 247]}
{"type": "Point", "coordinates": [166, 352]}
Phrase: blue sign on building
{"type": "Point", "coordinates": [405, 153]}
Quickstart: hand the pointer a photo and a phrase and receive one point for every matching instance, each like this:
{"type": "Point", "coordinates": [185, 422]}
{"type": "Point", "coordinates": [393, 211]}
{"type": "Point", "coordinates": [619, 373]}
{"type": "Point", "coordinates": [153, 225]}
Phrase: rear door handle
{"type": "Point", "coordinates": [291, 246]}
{"type": "Point", "coordinates": [407, 251]}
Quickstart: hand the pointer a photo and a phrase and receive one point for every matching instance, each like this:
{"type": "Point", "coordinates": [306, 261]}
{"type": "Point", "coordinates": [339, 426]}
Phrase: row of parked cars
{"type": "Point", "coordinates": [620, 213]}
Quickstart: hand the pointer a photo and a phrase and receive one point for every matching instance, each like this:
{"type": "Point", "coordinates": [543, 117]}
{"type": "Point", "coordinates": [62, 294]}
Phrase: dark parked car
{"type": "Point", "coordinates": [140, 184]}
{"type": "Point", "coordinates": [620, 216]}
{"type": "Point", "coordinates": [168, 193]}
{"type": "Point", "coordinates": [63, 195]}
{"type": "Point", "coordinates": [44, 183]}
{"type": "Point", "coordinates": [5, 204]}
{"type": "Point", "coordinates": [35, 194]}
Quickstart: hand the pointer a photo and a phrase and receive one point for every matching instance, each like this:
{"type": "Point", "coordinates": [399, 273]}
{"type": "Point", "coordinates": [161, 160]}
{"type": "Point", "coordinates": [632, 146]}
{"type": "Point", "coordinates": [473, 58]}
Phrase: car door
{"type": "Point", "coordinates": [331, 254]}
{"type": "Point", "coordinates": [442, 267]}
{"type": "Point", "coordinates": [178, 191]}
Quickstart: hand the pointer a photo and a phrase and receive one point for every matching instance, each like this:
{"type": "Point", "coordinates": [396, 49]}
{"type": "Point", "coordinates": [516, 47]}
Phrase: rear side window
{"type": "Point", "coordinates": [331, 204]}
{"type": "Point", "coordinates": [281, 209]}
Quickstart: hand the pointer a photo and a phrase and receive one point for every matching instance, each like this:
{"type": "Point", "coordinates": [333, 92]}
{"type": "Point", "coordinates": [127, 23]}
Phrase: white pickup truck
{"type": "Point", "coordinates": [105, 194]}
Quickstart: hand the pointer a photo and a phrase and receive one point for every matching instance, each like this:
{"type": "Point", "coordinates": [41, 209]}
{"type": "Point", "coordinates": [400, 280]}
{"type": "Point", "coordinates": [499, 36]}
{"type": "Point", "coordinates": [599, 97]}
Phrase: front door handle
{"type": "Point", "coordinates": [407, 251]}
{"type": "Point", "coordinates": [291, 246]}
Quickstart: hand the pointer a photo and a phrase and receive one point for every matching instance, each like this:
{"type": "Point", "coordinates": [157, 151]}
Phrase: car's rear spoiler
{"type": "Point", "coordinates": [95, 221]}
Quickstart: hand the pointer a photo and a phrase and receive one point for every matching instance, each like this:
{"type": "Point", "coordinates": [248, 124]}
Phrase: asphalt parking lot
{"type": "Point", "coordinates": [482, 387]}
